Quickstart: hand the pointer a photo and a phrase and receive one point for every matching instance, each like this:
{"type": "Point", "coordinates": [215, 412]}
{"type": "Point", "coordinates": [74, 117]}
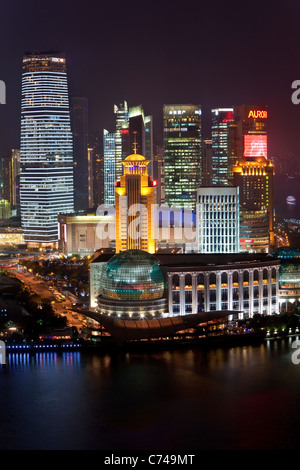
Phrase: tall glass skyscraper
{"type": "Point", "coordinates": [79, 124]}
{"type": "Point", "coordinates": [221, 166]}
{"type": "Point", "coordinates": [121, 116]}
{"type": "Point", "coordinates": [182, 154]}
{"type": "Point", "coordinates": [109, 145]}
{"type": "Point", "coordinates": [46, 162]}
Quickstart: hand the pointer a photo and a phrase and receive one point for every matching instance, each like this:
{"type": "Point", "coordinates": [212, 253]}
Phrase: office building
{"type": "Point", "coordinates": [79, 125]}
{"type": "Point", "coordinates": [85, 232]}
{"type": "Point", "coordinates": [98, 179]}
{"type": "Point", "coordinates": [221, 164]}
{"type": "Point", "coordinates": [254, 231]}
{"type": "Point", "coordinates": [46, 173]}
{"type": "Point", "coordinates": [134, 205]}
{"type": "Point", "coordinates": [121, 116]}
{"type": "Point", "coordinates": [254, 177]}
{"type": "Point", "coordinates": [158, 174]}
{"type": "Point", "coordinates": [5, 209]}
{"type": "Point", "coordinates": [132, 127]}
{"type": "Point", "coordinates": [182, 154]}
{"type": "Point", "coordinates": [248, 132]}
{"type": "Point", "coordinates": [207, 162]}
{"type": "Point", "coordinates": [109, 158]}
{"type": "Point", "coordinates": [218, 220]}
{"type": "Point", "coordinates": [10, 171]}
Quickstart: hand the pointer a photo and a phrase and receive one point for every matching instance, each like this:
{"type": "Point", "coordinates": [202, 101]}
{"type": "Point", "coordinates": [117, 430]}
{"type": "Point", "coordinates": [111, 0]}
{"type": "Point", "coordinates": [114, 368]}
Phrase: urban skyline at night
{"type": "Point", "coordinates": [149, 228]}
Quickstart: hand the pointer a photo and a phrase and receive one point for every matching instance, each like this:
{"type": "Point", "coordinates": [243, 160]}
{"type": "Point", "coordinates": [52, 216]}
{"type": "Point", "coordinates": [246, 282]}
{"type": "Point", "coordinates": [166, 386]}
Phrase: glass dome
{"type": "Point", "coordinates": [132, 275]}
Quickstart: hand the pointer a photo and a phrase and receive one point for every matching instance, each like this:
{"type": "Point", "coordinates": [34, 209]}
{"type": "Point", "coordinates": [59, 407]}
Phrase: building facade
{"type": "Point", "coordinates": [182, 154]}
{"type": "Point", "coordinates": [84, 233]}
{"type": "Point", "coordinates": [254, 176]}
{"type": "Point", "coordinates": [79, 125]}
{"type": "Point", "coordinates": [218, 220]}
{"type": "Point", "coordinates": [46, 161]}
{"type": "Point", "coordinates": [221, 163]}
{"type": "Point", "coordinates": [134, 204]}
{"type": "Point", "coordinates": [254, 231]}
{"type": "Point", "coordinates": [241, 283]}
{"type": "Point", "coordinates": [121, 116]}
{"type": "Point", "coordinates": [109, 163]}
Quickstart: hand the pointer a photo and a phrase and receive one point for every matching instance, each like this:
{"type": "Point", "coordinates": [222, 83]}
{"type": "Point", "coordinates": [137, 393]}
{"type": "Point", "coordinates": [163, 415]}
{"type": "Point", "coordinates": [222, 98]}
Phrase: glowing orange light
{"type": "Point", "coordinates": [258, 114]}
{"type": "Point", "coordinates": [255, 145]}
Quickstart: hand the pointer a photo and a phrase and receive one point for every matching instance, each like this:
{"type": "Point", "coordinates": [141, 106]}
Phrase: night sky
{"type": "Point", "coordinates": [216, 53]}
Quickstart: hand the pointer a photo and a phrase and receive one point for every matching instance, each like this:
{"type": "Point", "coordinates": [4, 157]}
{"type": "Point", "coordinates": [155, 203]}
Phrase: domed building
{"type": "Point", "coordinates": [132, 285]}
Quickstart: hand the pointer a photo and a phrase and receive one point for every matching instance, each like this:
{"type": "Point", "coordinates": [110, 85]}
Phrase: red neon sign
{"type": "Point", "coordinates": [258, 114]}
{"type": "Point", "coordinates": [255, 145]}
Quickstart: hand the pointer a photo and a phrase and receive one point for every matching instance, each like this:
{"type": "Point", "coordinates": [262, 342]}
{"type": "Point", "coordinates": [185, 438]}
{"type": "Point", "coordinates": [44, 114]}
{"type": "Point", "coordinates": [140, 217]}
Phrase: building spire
{"type": "Point", "coordinates": [134, 143]}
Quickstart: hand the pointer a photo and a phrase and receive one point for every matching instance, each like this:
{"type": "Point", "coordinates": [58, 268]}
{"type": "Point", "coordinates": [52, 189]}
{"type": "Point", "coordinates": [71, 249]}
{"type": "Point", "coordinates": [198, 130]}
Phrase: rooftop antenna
{"type": "Point", "coordinates": [134, 143]}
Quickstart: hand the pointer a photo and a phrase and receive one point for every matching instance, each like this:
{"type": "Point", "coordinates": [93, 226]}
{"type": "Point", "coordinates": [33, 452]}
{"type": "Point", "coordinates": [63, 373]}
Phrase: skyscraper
{"type": "Point", "coordinates": [131, 128]}
{"type": "Point", "coordinates": [254, 176]}
{"type": "Point", "coordinates": [248, 137]}
{"type": "Point", "coordinates": [121, 116]}
{"type": "Point", "coordinates": [109, 156]}
{"type": "Point", "coordinates": [79, 125]}
{"type": "Point", "coordinates": [220, 155]}
{"type": "Point", "coordinates": [135, 200]}
{"type": "Point", "coordinates": [182, 154]}
{"type": "Point", "coordinates": [218, 220]}
{"type": "Point", "coordinates": [46, 173]}
{"type": "Point", "coordinates": [206, 162]}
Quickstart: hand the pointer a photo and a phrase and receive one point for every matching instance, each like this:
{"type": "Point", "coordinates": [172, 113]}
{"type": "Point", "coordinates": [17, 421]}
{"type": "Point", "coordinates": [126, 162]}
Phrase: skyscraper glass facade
{"type": "Point", "coordinates": [219, 136]}
{"type": "Point", "coordinates": [79, 123]}
{"type": "Point", "coordinates": [121, 116]}
{"type": "Point", "coordinates": [182, 154]}
{"type": "Point", "coordinates": [109, 167]}
{"type": "Point", "coordinates": [46, 161]}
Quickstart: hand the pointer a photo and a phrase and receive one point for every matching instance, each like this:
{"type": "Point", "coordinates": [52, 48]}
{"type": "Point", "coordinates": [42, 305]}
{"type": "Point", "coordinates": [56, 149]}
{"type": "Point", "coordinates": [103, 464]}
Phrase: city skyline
{"type": "Point", "coordinates": [209, 75]}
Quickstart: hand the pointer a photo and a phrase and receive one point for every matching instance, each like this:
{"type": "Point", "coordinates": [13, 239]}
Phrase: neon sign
{"type": "Point", "coordinates": [255, 145]}
{"type": "Point", "coordinates": [258, 114]}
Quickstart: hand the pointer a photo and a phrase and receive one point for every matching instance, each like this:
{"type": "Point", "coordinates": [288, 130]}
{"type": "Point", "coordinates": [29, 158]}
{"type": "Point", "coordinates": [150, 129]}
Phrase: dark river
{"type": "Point", "coordinates": [234, 398]}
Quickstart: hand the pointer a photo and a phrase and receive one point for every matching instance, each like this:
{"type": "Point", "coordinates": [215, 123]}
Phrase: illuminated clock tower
{"type": "Point", "coordinates": [135, 197]}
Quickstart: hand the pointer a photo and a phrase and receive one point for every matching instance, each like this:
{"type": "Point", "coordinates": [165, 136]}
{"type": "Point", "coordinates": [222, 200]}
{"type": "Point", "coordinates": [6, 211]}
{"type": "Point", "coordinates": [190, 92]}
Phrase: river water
{"type": "Point", "coordinates": [233, 398]}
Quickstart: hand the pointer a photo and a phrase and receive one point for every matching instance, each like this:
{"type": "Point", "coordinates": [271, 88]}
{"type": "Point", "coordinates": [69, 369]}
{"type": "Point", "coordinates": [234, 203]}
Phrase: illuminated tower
{"type": "Point", "coordinates": [248, 132]}
{"type": "Point", "coordinates": [46, 162]}
{"type": "Point", "coordinates": [109, 167]}
{"type": "Point", "coordinates": [121, 116]}
{"type": "Point", "coordinates": [134, 205]}
{"type": "Point", "coordinates": [182, 154]}
{"type": "Point", "coordinates": [254, 176]}
{"type": "Point", "coordinates": [221, 165]}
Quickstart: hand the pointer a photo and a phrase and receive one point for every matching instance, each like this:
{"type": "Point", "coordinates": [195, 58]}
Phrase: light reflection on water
{"type": "Point", "coordinates": [231, 398]}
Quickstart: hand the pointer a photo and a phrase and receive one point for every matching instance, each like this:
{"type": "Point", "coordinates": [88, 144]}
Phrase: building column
{"type": "Point", "coordinates": [250, 293]}
{"type": "Point", "coordinates": [206, 292]}
{"type": "Point", "coordinates": [241, 295]}
{"type": "Point", "coordinates": [194, 293]}
{"type": "Point", "coordinates": [260, 290]}
{"type": "Point", "coordinates": [277, 290]}
{"type": "Point", "coordinates": [229, 292]}
{"type": "Point", "coordinates": [170, 293]}
{"type": "Point", "coordinates": [218, 291]}
{"type": "Point", "coordinates": [269, 291]}
{"type": "Point", "coordinates": [182, 293]}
